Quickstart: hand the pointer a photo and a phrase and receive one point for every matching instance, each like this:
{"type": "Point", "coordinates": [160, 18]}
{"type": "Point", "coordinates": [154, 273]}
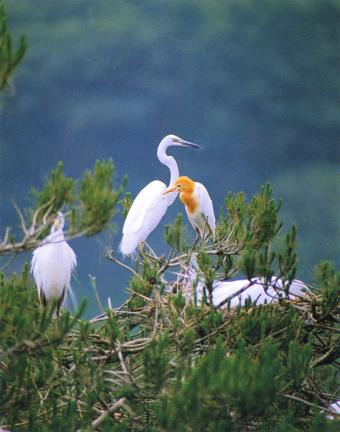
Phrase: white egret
{"type": "Point", "coordinates": [198, 205]}
{"type": "Point", "coordinates": [239, 291]}
{"type": "Point", "coordinates": [150, 205]}
{"type": "Point", "coordinates": [52, 265]}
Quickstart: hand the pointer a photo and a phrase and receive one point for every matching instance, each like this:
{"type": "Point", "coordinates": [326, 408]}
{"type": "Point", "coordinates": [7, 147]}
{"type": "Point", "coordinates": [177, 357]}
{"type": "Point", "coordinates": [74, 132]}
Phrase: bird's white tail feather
{"type": "Point", "coordinates": [129, 244]}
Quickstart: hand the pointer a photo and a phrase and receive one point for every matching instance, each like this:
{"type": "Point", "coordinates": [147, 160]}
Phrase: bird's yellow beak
{"type": "Point", "coordinates": [170, 189]}
{"type": "Point", "coordinates": [57, 224]}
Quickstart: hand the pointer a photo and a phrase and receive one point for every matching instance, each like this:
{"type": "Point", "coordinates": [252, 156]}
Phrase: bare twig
{"type": "Point", "coordinates": [235, 294]}
{"type": "Point", "coordinates": [114, 407]}
{"type": "Point", "coordinates": [94, 288]}
{"type": "Point", "coordinates": [22, 219]}
{"type": "Point", "coordinates": [311, 404]}
{"type": "Point", "coordinates": [109, 255]}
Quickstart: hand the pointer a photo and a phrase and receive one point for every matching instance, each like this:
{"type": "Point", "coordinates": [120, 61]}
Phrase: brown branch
{"type": "Point", "coordinates": [30, 234]}
{"type": "Point", "coordinates": [311, 404]}
{"type": "Point", "coordinates": [235, 294]}
{"type": "Point", "coordinates": [109, 255]}
{"type": "Point", "coordinates": [114, 407]}
{"type": "Point", "coordinates": [22, 219]}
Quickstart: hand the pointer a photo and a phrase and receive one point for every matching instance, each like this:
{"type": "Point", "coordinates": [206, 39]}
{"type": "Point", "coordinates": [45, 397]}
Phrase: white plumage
{"type": "Point", "coordinates": [198, 205]}
{"type": "Point", "coordinates": [203, 219]}
{"type": "Point", "coordinates": [52, 265]}
{"type": "Point", "coordinates": [242, 290]}
{"type": "Point", "coordinates": [150, 205]}
{"type": "Point", "coordinates": [254, 290]}
{"type": "Point", "coordinates": [146, 212]}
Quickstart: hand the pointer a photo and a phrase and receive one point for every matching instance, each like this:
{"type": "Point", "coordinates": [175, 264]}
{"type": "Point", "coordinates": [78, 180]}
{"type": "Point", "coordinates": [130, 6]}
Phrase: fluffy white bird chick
{"type": "Point", "coordinates": [52, 265]}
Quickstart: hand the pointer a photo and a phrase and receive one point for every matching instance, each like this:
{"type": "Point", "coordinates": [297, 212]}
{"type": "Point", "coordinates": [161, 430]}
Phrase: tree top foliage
{"type": "Point", "coordinates": [163, 361]}
{"type": "Point", "coordinates": [9, 56]}
{"type": "Point", "coordinates": [89, 204]}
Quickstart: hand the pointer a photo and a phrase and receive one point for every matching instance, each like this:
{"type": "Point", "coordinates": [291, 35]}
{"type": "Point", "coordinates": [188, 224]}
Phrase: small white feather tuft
{"type": "Point", "coordinates": [128, 244]}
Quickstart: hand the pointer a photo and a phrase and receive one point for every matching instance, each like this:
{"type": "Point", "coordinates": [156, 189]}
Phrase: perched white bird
{"type": "Point", "coordinates": [198, 205]}
{"type": "Point", "coordinates": [52, 265]}
{"type": "Point", "coordinates": [150, 205]}
{"type": "Point", "coordinates": [239, 291]}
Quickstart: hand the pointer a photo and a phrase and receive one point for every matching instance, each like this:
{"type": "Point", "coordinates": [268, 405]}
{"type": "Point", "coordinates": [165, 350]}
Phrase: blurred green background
{"type": "Point", "coordinates": [255, 82]}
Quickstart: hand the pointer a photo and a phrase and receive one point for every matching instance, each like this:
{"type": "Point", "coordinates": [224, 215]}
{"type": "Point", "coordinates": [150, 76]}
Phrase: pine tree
{"type": "Point", "coordinates": [164, 361]}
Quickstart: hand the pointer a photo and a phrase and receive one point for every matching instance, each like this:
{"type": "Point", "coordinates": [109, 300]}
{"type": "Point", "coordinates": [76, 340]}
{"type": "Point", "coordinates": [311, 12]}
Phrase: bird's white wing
{"type": "Point", "coordinates": [146, 212]}
{"type": "Point", "coordinates": [206, 205]}
{"type": "Point", "coordinates": [70, 262]}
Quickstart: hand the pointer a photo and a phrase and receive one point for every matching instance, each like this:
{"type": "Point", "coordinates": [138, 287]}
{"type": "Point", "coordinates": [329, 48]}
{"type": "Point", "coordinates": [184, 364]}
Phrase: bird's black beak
{"type": "Point", "coordinates": [189, 144]}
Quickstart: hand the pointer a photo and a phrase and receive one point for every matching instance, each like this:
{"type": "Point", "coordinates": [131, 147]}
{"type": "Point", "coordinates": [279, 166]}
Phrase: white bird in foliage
{"type": "Point", "coordinates": [198, 205]}
{"type": "Point", "coordinates": [52, 265]}
{"type": "Point", "coordinates": [150, 205]}
{"type": "Point", "coordinates": [254, 290]}
{"type": "Point", "coordinates": [237, 292]}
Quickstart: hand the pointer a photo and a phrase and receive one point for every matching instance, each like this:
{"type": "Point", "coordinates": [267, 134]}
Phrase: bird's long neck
{"type": "Point", "coordinates": [56, 236]}
{"type": "Point", "coordinates": [171, 163]}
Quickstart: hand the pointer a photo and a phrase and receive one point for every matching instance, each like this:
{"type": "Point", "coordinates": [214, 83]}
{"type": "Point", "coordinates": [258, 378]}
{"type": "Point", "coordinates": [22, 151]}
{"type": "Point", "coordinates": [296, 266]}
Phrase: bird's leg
{"type": "Point", "coordinates": [207, 230]}
{"type": "Point", "coordinates": [59, 303]}
{"type": "Point", "coordinates": [205, 225]}
{"type": "Point", "coordinates": [57, 312]}
{"type": "Point", "coordinates": [196, 239]}
{"type": "Point", "coordinates": [42, 298]}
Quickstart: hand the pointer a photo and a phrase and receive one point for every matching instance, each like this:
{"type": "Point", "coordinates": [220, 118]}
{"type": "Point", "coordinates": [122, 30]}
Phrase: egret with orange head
{"type": "Point", "coordinates": [198, 205]}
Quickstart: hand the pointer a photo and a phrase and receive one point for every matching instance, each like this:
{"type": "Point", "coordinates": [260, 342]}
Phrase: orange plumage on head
{"type": "Point", "coordinates": [186, 188]}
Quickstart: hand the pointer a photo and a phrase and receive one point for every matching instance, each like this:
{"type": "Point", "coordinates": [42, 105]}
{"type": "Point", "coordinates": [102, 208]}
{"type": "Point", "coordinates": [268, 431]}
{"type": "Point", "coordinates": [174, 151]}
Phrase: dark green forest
{"type": "Point", "coordinates": [80, 82]}
{"type": "Point", "coordinates": [255, 83]}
